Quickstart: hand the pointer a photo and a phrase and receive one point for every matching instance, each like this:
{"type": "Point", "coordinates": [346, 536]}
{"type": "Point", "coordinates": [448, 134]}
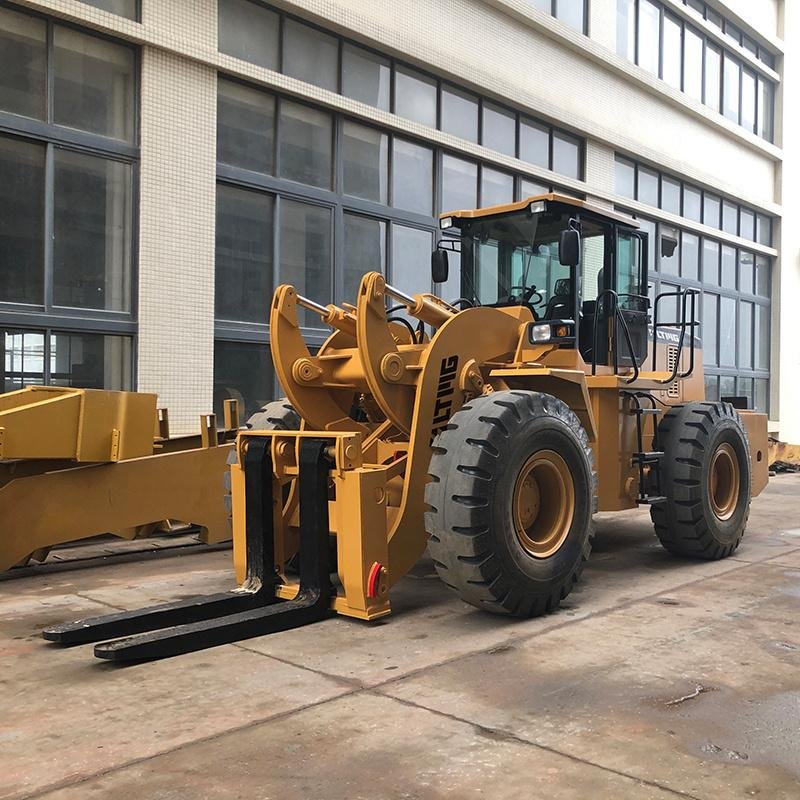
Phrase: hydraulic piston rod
{"type": "Point", "coordinates": [422, 306]}
{"type": "Point", "coordinates": [331, 315]}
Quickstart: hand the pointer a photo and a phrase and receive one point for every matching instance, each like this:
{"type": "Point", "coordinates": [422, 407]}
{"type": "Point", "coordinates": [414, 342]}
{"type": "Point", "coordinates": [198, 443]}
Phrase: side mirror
{"type": "Point", "coordinates": [440, 266]}
{"type": "Point", "coordinates": [668, 245]}
{"type": "Point", "coordinates": [569, 248]}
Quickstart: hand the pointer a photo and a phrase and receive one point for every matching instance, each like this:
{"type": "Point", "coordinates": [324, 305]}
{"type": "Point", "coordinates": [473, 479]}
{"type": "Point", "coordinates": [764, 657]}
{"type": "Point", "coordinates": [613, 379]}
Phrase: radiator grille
{"type": "Point", "coordinates": [673, 355]}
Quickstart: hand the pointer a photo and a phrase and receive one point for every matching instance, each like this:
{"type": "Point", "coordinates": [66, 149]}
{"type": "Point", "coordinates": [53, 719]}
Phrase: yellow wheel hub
{"type": "Point", "coordinates": [543, 504]}
{"type": "Point", "coordinates": [724, 480]}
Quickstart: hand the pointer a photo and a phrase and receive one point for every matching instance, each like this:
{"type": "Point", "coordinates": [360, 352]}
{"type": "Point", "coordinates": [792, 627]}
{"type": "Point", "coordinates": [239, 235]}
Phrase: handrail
{"type": "Point", "coordinates": [683, 294]}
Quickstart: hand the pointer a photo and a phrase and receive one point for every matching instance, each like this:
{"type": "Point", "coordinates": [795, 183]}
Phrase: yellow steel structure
{"type": "Point", "coordinates": [76, 463]}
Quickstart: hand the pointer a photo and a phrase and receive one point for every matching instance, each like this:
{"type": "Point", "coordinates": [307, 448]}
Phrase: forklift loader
{"type": "Point", "coordinates": [490, 431]}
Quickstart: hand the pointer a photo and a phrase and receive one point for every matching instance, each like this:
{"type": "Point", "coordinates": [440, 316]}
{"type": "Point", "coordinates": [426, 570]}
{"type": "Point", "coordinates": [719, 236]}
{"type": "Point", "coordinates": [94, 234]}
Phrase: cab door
{"type": "Point", "coordinates": [630, 284]}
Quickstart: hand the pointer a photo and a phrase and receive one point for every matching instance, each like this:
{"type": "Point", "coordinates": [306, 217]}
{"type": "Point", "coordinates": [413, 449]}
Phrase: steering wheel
{"type": "Point", "coordinates": [529, 293]}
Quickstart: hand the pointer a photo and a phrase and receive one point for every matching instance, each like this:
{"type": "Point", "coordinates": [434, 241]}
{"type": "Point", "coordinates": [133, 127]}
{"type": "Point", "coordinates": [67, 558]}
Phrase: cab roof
{"type": "Point", "coordinates": [508, 208]}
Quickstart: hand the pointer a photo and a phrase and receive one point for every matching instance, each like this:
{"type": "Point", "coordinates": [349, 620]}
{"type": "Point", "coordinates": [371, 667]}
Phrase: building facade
{"type": "Point", "coordinates": [164, 165]}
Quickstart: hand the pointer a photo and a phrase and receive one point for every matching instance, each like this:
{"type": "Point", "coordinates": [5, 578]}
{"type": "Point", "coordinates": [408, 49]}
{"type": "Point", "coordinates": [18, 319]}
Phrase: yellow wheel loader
{"type": "Point", "coordinates": [489, 429]}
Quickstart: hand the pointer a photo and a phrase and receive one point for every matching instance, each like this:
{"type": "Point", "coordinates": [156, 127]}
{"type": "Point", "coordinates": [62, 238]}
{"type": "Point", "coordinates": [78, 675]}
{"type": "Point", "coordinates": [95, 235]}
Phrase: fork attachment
{"type": "Point", "coordinates": [254, 610]}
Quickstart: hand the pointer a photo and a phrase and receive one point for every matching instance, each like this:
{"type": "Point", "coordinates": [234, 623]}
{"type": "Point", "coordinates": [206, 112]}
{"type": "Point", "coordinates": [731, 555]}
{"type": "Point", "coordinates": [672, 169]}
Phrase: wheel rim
{"type": "Point", "coordinates": [723, 482]}
{"type": "Point", "coordinates": [543, 503]}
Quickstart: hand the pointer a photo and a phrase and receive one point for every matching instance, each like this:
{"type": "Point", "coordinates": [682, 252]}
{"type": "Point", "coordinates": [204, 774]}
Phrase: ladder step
{"type": "Point", "coordinates": [652, 501]}
{"type": "Point", "coordinates": [647, 411]}
{"type": "Point", "coordinates": [648, 457]}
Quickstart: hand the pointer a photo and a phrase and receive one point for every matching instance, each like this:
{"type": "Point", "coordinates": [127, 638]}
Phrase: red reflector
{"type": "Point", "coordinates": [373, 582]}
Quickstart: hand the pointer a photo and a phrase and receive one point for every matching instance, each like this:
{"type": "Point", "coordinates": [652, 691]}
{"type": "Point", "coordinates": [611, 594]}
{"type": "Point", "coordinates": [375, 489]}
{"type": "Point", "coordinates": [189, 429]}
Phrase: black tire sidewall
{"type": "Point", "coordinates": [533, 435]}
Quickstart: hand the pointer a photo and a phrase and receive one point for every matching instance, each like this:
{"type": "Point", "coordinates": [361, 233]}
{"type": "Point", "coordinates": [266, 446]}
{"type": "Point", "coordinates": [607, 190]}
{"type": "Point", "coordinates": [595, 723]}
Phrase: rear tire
{"type": "Point", "coordinates": [510, 501]}
{"type": "Point", "coordinates": [706, 478]}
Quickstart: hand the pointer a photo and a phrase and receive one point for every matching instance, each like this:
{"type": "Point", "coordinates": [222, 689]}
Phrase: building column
{"type": "Point", "coordinates": [177, 219]}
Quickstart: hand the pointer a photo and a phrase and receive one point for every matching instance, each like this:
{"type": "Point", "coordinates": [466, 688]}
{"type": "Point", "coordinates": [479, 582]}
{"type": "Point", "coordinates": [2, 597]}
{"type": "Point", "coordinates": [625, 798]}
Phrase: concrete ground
{"type": "Point", "coordinates": [661, 678]}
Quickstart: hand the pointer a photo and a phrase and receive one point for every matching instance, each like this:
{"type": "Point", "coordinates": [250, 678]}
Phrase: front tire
{"type": "Point", "coordinates": [511, 498]}
{"type": "Point", "coordinates": [706, 479]}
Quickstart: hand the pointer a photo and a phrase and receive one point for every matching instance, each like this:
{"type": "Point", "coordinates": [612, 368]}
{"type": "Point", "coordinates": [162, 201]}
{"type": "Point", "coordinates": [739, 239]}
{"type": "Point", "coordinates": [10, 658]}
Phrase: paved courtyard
{"type": "Point", "coordinates": [660, 678]}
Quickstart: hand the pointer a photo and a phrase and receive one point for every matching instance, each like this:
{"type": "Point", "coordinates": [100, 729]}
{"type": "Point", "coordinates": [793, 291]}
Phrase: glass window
{"type": "Point", "coordinates": [365, 162]}
{"type": "Point", "coordinates": [692, 203]}
{"type": "Point", "coordinates": [731, 79]}
{"type": "Point", "coordinates": [499, 129]}
{"type": "Point", "coordinates": [365, 246]}
{"type": "Point", "coordinates": [496, 187]}
{"type": "Point", "coordinates": [411, 258]}
{"type": "Point", "coordinates": [310, 55]}
{"type": "Point", "coordinates": [712, 387]}
{"type": "Point", "coordinates": [713, 17]}
{"type": "Point", "coordinates": [764, 230]}
{"type": "Point", "coordinates": [625, 177]}
{"type": "Point", "coordinates": [529, 188]}
{"type": "Point", "coordinates": [744, 388]}
{"type": "Point", "coordinates": [415, 96]}
{"type": "Point", "coordinates": [711, 210]}
{"type": "Point", "coordinates": [712, 93]}
{"type": "Point", "coordinates": [672, 51]}
{"type": "Point", "coordinates": [90, 361]}
{"type": "Point", "coordinates": [727, 332]}
{"type": "Point", "coordinates": [763, 280]}
{"type": "Point", "coordinates": [23, 64]}
{"type": "Point", "coordinates": [244, 262]}
{"type": "Point", "coordinates": [746, 272]}
{"type": "Point", "coordinates": [412, 177]}
{"type": "Point", "coordinates": [21, 221]}
{"type": "Point", "coordinates": [693, 63]}
{"type": "Point", "coordinates": [649, 227]}
{"type": "Point", "coordinates": [459, 184]}
{"type": "Point", "coordinates": [250, 32]}
{"type": "Point", "coordinates": [459, 113]}
{"type": "Point", "coordinates": [543, 5]}
{"type": "Point", "coordinates": [711, 262]}
{"type": "Point", "coordinates": [727, 386]}
{"type": "Point", "coordinates": [745, 335]}
{"type": "Point", "coordinates": [23, 357]}
{"type": "Point", "coordinates": [690, 256]}
{"type": "Point", "coordinates": [647, 186]}
{"type": "Point", "coordinates": [669, 250]}
{"type": "Point", "coordinates": [94, 84]}
{"type": "Point", "coordinates": [671, 195]}
{"type": "Point", "coordinates": [91, 232]}
{"type": "Point", "coordinates": [534, 143]}
{"type": "Point", "coordinates": [648, 39]}
{"type": "Point", "coordinates": [708, 331]}
{"type": "Point", "coordinates": [730, 218]}
{"type": "Point", "coordinates": [728, 272]}
{"type": "Point", "coordinates": [747, 224]}
{"type": "Point", "coordinates": [762, 337]}
{"type": "Point", "coordinates": [697, 5]}
{"type": "Point", "coordinates": [306, 137]}
{"type": "Point", "coordinates": [748, 101]}
{"type": "Point", "coordinates": [242, 372]}
{"type": "Point", "coordinates": [626, 28]}
{"type": "Point", "coordinates": [572, 13]}
{"type": "Point", "coordinates": [366, 76]}
{"type": "Point", "coordinates": [566, 155]}
{"type": "Point", "coordinates": [305, 253]}
{"type": "Point", "coordinates": [761, 396]}
{"type": "Point", "coordinates": [245, 127]}
{"type": "Point", "coordinates": [122, 8]}
{"type": "Point", "coordinates": [766, 109]}
{"type": "Point", "coordinates": [732, 32]}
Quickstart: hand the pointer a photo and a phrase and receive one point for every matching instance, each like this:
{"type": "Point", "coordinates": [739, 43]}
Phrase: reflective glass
{"type": "Point", "coordinates": [648, 39]}
{"type": "Point", "coordinates": [728, 272]}
{"type": "Point", "coordinates": [647, 186]}
{"type": "Point", "coordinates": [244, 254]}
{"type": "Point", "coordinates": [746, 272]}
{"type": "Point", "coordinates": [669, 264]}
{"type": "Point", "coordinates": [766, 109]}
{"type": "Point", "coordinates": [366, 76]}
{"type": "Point", "coordinates": [747, 224]}
{"type": "Point", "coordinates": [626, 28]}
{"type": "Point", "coordinates": [250, 32]}
{"type": "Point", "coordinates": [459, 184]}
{"type": "Point", "coordinates": [690, 256]}
{"type": "Point", "coordinates": [365, 248]}
{"type": "Point", "coordinates": [711, 262]}
{"type": "Point", "coordinates": [692, 203]}
{"type": "Point", "coordinates": [731, 79]}
{"type": "Point", "coordinates": [534, 143]}
{"type": "Point", "coordinates": [91, 232]}
{"type": "Point", "coordinates": [763, 342]}
{"type": "Point", "coordinates": [708, 332]}
{"type": "Point", "coordinates": [21, 221]}
{"type": "Point", "coordinates": [459, 113]}
{"type": "Point", "coordinates": [529, 188]}
{"type": "Point", "coordinates": [23, 63]}
{"type": "Point", "coordinates": [306, 137]}
{"type": "Point", "coordinates": [671, 49]}
{"type": "Point", "coordinates": [411, 258]}
{"type": "Point", "coordinates": [496, 187]}
{"type": "Point", "coordinates": [572, 12]}
{"type": "Point", "coordinates": [305, 253]}
{"type": "Point", "coordinates": [693, 64]}
{"type": "Point", "coordinates": [94, 84]}
{"type": "Point", "coordinates": [625, 177]}
{"type": "Point", "coordinates": [763, 278]}
{"type": "Point", "coordinates": [412, 177]}
{"type": "Point", "coordinates": [122, 8]}
{"type": "Point", "coordinates": [310, 55]}
{"type": "Point", "coordinates": [365, 162]}
{"type": "Point", "coordinates": [566, 155]}
{"type": "Point", "coordinates": [90, 361]}
{"type": "Point", "coordinates": [745, 336]}
{"type": "Point", "coordinates": [713, 84]}
{"type": "Point", "coordinates": [727, 332]}
{"type": "Point", "coordinates": [711, 210]}
{"type": "Point", "coordinates": [730, 218]}
{"type": "Point", "coordinates": [245, 127]}
{"type": "Point", "coordinates": [22, 359]}
{"type": "Point", "coordinates": [671, 195]}
{"type": "Point", "coordinates": [415, 96]}
{"type": "Point", "coordinates": [764, 230]}
{"type": "Point", "coordinates": [243, 372]}
{"type": "Point", "coordinates": [499, 129]}
{"type": "Point", "coordinates": [748, 101]}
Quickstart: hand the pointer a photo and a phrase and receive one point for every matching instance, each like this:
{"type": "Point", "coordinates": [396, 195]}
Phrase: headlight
{"type": "Point", "coordinates": [540, 333]}
{"type": "Point", "coordinates": [537, 207]}
{"type": "Point", "coordinates": [445, 223]}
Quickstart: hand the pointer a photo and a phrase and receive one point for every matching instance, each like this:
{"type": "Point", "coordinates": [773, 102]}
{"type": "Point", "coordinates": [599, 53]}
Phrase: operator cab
{"type": "Point", "coordinates": [569, 261]}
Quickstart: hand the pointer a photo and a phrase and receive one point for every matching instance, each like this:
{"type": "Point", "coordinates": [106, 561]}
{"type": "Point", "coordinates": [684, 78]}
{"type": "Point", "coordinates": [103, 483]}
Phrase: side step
{"type": "Point", "coordinates": [186, 626]}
